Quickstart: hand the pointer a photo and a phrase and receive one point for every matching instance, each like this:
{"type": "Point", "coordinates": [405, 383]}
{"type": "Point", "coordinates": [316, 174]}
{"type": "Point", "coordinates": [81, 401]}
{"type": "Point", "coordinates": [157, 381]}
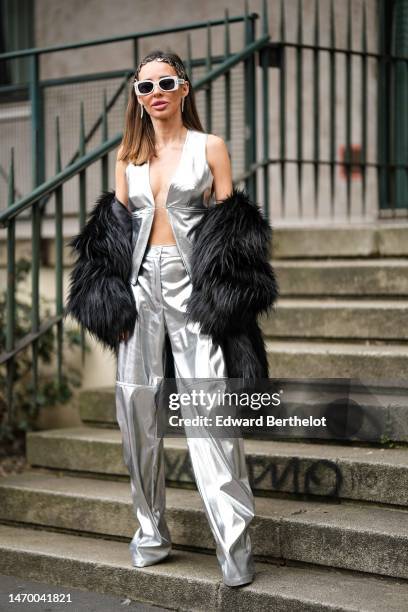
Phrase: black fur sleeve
{"type": "Point", "coordinates": [232, 278]}
{"type": "Point", "coordinates": [100, 296]}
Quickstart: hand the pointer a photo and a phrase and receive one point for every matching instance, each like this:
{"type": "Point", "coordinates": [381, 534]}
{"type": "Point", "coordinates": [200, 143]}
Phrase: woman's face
{"type": "Point", "coordinates": [170, 100]}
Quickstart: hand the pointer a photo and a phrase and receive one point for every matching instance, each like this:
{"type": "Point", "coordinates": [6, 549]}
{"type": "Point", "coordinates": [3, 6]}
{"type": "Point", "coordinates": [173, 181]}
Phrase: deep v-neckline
{"type": "Point", "coordinates": [173, 177]}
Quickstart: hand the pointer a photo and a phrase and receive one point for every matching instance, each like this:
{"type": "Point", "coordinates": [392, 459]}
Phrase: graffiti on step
{"type": "Point", "coordinates": [312, 477]}
{"type": "Point", "coordinates": [309, 477]}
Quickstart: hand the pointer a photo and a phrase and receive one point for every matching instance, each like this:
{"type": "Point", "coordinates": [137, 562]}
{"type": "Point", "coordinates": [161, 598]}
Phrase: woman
{"type": "Point", "coordinates": [198, 278]}
{"type": "Point", "coordinates": [165, 189]}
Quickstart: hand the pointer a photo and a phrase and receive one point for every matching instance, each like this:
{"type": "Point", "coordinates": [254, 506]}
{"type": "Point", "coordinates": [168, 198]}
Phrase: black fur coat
{"type": "Point", "coordinates": [233, 281]}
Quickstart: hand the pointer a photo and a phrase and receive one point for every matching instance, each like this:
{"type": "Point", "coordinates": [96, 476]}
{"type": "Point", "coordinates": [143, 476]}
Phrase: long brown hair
{"type": "Point", "coordinates": [138, 142]}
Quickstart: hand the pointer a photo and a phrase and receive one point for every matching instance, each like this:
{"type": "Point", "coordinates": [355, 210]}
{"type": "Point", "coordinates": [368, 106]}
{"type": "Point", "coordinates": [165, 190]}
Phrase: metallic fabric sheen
{"type": "Point", "coordinates": [188, 197]}
{"type": "Point", "coordinates": [161, 289]}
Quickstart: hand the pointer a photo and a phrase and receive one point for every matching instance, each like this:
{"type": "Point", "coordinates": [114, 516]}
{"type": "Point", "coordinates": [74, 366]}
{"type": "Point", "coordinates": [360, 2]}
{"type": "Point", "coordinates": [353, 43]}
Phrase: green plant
{"type": "Point", "coordinates": [49, 393]}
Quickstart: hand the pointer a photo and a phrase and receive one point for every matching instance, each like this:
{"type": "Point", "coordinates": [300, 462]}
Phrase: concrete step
{"type": "Point", "coordinates": [343, 277]}
{"type": "Point", "coordinates": [383, 412]}
{"type": "Point", "coordinates": [98, 406]}
{"type": "Point", "coordinates": [369, 361]}
{"type": "Point", "coordinates": [363, 240]}
{"type": "Point", "coordinates": [323, 317]}
{"type": "Point", "coordinates": [341, 240]}
{"type": "Point", "coordinates": [333, 471]}
{"type": "Point", "coordinates": [317, 533]}
{"type": "Point", "coordinates": [188, 580]}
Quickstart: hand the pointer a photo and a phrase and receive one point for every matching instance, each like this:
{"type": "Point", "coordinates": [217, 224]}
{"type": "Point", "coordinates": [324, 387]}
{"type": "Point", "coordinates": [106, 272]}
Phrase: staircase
{"type": "Point", "coordinates": [344, 303]}
{"type": "Point", "coordinates": [331, 524]}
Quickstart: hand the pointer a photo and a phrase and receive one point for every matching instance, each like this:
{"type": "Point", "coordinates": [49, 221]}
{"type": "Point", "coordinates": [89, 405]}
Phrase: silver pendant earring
{"type": "Point", "coordinates": [182, 104]}
{"type": "Point", "coordinates": [141, 110]}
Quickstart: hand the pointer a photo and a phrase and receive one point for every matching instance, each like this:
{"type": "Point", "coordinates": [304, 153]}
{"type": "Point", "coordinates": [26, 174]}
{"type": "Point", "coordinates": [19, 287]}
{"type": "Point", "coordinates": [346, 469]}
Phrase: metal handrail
{"type": "Point", "coordinates": [84, 161]}
{"type": "Point", "coordinates": [59, 179]}
{"type": "Point", "coordinates": [195, 25]}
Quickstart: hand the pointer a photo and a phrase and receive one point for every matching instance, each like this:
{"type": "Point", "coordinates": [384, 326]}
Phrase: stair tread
{"type": "Point", "coordinates": [363, 347]}
{"type": "Point", "coordinates": [332, 302]}
{"type": "Point", "coordinates": [370, 519]}
{"type": "Point", "coordinates": [320, 226]}
{"type": "Point", "coordinates": [397, 457]}
{"type": "Point", "coordinates": [81, 561]}
{"type": "Point", "coordinates": [358, 262]}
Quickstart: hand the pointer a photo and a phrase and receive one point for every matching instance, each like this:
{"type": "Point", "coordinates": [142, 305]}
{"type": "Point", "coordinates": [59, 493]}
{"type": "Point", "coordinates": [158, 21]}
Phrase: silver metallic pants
{"type": "Point", "coordinates": [218, 463]}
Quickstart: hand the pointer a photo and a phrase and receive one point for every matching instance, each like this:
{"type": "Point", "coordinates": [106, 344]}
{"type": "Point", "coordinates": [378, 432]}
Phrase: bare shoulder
{"type": "Point", "coordinates": [219, 161]}
{"type": "Point", "coordinates": [217, 151]}
{"type": "Point", "coordinates": [215, 144]}
{"type": "Point", "coordinates": [119, 155]}
{"type": "Point", "coordinates": [121, 185]}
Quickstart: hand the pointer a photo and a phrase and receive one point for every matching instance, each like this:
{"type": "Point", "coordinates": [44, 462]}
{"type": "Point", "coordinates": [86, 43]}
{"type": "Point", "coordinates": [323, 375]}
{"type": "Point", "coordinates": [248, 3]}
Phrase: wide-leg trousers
{"type": "Point", "coordinates": [219, 466]}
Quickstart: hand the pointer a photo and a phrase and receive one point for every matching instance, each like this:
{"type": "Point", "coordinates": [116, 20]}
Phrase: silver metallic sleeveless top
{"type": "Point", "coordinates": [187, 199]}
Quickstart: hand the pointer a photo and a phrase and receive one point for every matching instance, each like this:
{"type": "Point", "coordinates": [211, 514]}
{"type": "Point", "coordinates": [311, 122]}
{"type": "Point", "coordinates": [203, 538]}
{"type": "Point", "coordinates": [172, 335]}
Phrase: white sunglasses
{"type": "Point", "coordinates": [168, 83]}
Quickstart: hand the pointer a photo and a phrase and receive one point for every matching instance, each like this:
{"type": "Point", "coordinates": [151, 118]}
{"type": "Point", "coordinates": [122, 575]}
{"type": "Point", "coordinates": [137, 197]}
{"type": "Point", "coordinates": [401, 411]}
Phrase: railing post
{"type": "Point", "coordinates": [59, 257]}
{"type": "Point", "coordinates": [37, 122]}
{"type": "Point", "coordinates": [316, 108]}
{"type": "Point", "coordinates": [332, 107]}
{"type": "Point", "coordinates": [38, 177]}
{"type": "Point", "coordinates": [348, 116]}
{"type": "Point", "coordinates": [105, 158]}
{"type": "Point", "coordinates": [82, 202]}
{"type": "Point", "coordinates": [208, 87]}
{"type": "Point", "coordinates": [189, 60]}
{"type": "Point", "coordinates": [264, 62]}
{"type": "Point", "coordinates": [282, 106]}
{"type": "Point", "coordinates": [400, 97]}
{"type": "Point", "coordinates": [382, 109]}
{"type": "Point", "coordinates": [250, 106]}
{"type": "Point", "coordinates": [11, 292]}
{"type": "Point", "coordinates": [135, 53]}
{"type": "Point", "coordinates": [227, 85]}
